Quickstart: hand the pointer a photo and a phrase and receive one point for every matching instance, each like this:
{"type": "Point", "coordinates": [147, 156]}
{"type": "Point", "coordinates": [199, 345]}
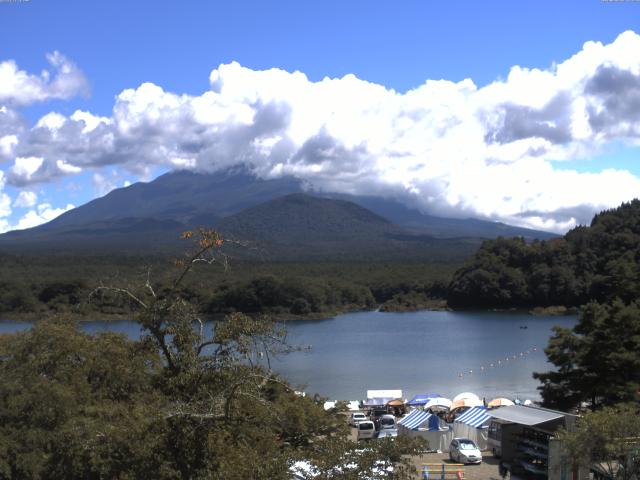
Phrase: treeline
{"type": "Point", "coordinates": [599, 262]}
{"type": "Point", "coordinates": [37, 286]}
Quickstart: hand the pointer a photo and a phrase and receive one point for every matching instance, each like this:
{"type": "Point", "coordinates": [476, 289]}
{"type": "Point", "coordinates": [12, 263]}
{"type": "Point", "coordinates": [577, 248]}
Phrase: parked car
{"type": "Point", "coordinates": [356, 418]}
{"type": "Point", "coordinates": [464, 450]}
{"type": "Point", "coordinates": [366, 430]}
{"type": "Point", "coordinates": [388, 433]}
{"type": "Point", "coordinates": [376, 413]}
{"type": "Point", "coordinates": [386, 421]}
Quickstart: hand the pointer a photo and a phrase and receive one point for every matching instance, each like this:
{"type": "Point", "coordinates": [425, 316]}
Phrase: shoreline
{"type": "Point", "coordinates": [436, 306]}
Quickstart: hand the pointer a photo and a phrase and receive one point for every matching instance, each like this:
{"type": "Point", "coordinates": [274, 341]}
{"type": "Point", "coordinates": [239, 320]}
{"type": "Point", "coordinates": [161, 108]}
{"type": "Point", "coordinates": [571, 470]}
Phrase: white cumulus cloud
{"type": "Point", "coordinates": [25, 199]}
{"type": "Point", "coordinates": [41, 214]}
{"type": "Point", "coordinates": [447, 148]}
{"type": "Point", "coordinates": [18, 87]}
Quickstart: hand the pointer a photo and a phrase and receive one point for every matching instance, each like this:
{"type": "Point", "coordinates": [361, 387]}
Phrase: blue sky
{"type": "Point", "coordinates": [396, 45]}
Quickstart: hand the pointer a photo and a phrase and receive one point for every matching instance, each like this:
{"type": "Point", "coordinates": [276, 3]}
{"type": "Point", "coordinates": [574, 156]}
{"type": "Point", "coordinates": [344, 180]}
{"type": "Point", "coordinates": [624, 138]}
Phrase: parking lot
{"type": "Point", "coordinates": [487, 470]}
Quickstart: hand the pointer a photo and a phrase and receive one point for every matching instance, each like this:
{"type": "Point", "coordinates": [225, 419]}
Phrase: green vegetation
{"type": "Point", "coordinates": [598, 263]}
{"type": "Point", "coordinates": [35, 286]}
{"type": "Point", "coordinates": [608, 439]}
{"type": "Point", "coordinates": [598, 361]}
{"type": "Point", "coordinates": [178, 403]}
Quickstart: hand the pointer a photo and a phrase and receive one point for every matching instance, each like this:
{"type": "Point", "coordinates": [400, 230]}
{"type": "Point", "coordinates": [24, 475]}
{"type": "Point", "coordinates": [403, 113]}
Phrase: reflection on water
{"type": "Point", "coordinates": [487, 353]}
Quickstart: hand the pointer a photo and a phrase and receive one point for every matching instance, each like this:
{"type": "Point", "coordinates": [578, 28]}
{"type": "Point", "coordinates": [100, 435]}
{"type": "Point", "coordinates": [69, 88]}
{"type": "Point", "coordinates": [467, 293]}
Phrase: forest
{"type": "Point", "coordinates": [599, 262]}
{"type": "Point", "coordinates": [34, 286]}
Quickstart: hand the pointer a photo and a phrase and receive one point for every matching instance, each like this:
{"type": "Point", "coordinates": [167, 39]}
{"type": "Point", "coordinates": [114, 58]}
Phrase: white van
{"type": "Point", "coordinates": [366, 430]}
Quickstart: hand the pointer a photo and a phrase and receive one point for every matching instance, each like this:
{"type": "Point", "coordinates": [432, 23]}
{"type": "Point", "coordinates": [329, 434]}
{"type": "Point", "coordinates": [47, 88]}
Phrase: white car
{"type": "Point", "coordinates": [464, 450]}
{"type": "Point", "coordinates": [356, 418]}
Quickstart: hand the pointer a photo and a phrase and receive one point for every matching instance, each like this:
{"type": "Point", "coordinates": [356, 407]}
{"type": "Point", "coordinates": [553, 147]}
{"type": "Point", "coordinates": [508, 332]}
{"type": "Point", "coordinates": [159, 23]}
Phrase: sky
{"type": "Point", "coordinates": [522, 112]}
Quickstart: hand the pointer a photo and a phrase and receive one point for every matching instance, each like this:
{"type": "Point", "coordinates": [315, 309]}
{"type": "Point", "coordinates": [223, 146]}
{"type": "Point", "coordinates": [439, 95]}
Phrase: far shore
{"type": "Point", "coordinates": [435, 305]}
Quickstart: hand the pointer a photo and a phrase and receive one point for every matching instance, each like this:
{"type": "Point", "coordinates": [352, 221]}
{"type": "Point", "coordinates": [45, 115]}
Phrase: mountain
{"type": "Point", "coordinates": [185, 197]}
{"type": "Point", "coordinates": [441, 227]}
{"type": "Point", "coordinates": [299, 226]}
{"type": "Point", "coordinates": [273, 212]}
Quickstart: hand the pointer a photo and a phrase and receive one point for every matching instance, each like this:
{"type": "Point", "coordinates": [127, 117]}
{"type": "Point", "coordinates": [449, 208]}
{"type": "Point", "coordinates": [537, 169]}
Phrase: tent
{"type": "Point", "coordinates": [377, 401]}
{"type": "Point", "coordinates": [422, 399]}
{"type": "Point", "coordinates": [500, 402]}
{"type": "Point", "coordinates": [466, 402]}
{"type": "Point", "coordinates": [384, 393]}
{"type": "Point", "coordinates": [418, 418]}
{"type": "Point", "coordinates": [426, 425]}
{"type": "Point", "coordinates": [438, 402]}
{"type": "Point", "coordinates": [473, 424]}
{"type": "Point", "coordinates": [468, 395]}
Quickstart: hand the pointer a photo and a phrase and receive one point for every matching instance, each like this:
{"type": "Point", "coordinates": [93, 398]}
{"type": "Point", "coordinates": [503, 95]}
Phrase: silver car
{"type": "Point", "coordinates": [464, 450]}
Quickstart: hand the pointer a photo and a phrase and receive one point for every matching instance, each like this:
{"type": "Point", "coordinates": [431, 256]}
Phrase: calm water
{"type": "Point", "coordinates": [418, 352]}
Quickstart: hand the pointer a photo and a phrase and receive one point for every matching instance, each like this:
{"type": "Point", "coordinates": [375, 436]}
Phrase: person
{"type": "Point", "coordinates": [502, 470]}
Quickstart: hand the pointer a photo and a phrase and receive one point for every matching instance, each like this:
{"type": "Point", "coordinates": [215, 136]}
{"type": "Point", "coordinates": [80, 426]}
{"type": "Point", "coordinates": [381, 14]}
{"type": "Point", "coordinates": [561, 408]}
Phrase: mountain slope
{"type": "Point", "coordinates": [181, 196]}
{"type": "Point", "coordinates": [299, 226]}
{"type": "Point", "coordinates": [194, 199]}
{"type": "Point", "coordinates": [148, 217]}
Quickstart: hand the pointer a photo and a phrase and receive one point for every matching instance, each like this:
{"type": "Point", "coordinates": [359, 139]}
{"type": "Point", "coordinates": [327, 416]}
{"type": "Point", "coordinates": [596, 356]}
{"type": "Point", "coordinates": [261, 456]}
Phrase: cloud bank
{"type": "Point", "coordinates": [447, 148]}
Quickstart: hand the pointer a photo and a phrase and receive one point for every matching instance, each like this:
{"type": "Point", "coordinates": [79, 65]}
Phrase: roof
{"type": "Point", "coordinates": [474, 417]}
{"type": "Point", "coordinates": [384, 393]}
{"type": "Point", "coordinates": [377, 401]}
{"type": "Point", "coordinates": [422, 398]}
{"type": "Point", "coordinates": [524, 415]}
{"type": "Point", "coordinates": [415, 419]}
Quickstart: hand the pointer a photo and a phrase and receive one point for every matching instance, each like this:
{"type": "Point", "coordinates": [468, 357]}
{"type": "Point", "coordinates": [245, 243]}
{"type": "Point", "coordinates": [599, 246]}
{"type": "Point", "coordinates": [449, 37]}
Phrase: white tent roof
{"type": "Point", "coordinates": [469, 395]}
{"type": "Point", "coordinates": [384, 393]}
{"type": "Point", "coordinates": [440, 402]}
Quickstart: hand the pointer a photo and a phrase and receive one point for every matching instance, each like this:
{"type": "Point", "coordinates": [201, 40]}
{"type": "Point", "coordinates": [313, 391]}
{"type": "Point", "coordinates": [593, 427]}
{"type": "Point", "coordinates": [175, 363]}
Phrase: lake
{"type": "Point", "coordinates": [419, 352]}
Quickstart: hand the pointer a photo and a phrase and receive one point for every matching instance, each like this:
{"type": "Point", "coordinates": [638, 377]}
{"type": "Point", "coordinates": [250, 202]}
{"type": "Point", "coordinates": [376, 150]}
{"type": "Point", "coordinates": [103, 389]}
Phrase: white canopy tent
{"type": "Point", "coordinates": [438, 402]}
{"type": "Point", "coordinates": [469, 395]}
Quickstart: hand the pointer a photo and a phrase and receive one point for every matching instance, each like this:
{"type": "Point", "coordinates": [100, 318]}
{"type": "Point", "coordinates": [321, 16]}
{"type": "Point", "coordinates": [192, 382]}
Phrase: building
{"type": "Point", "coordinates": [524, 438]}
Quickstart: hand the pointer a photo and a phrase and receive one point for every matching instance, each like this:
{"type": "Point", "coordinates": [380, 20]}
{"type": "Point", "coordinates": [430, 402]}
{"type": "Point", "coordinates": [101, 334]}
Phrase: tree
{"type": "Point", "coordinates": [608, 439]}
{"type": "Point", "coordinates": [184, 401]}
{"type": "Point", "coordinates": [598, 361]}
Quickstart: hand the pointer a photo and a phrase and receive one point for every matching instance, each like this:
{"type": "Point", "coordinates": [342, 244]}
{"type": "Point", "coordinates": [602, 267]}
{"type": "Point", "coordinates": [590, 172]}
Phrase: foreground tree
{"type": "Point", "coordinates": [608, 440]}
{"type": "Point", "coordinates": [598, 361]}
{"type": "Point", "coordinates": [184, 401]}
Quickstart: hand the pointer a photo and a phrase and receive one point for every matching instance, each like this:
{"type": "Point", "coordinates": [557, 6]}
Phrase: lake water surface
{"type": "Point", "coordinates": [419, 352]}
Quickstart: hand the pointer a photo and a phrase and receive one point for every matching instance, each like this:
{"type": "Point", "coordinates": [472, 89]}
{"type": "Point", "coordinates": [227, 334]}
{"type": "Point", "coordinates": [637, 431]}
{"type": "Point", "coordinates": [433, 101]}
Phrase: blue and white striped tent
{"type": "Point", "coordinates": [473, 424]}
{"type": "Point", "coordinates": [418, 418]}
{"type": "Point", "coordinates": [426, 425]}
{"type": "Point", "coordinates": [475, 417]}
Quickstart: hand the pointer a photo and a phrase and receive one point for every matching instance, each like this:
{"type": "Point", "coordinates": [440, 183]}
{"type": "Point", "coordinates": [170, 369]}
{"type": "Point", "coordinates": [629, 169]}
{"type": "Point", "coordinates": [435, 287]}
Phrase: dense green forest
{"type": "Point", "coordinates": [35, 286]}
{"type": "Point", "coordinates": [598, 263]}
